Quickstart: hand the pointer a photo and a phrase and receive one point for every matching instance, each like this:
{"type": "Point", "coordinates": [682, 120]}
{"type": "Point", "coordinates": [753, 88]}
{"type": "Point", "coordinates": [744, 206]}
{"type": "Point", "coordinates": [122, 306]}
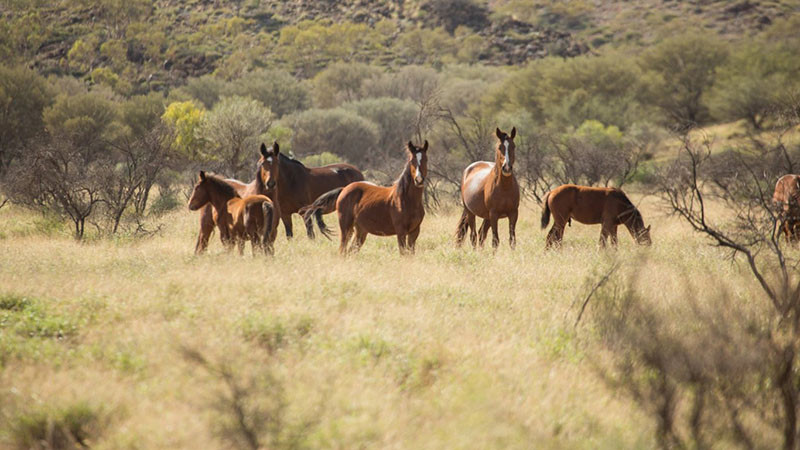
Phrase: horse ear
{"type": "Point", "coordinates": [275, 148]}
{"type": "Point", "coordinates": [513, 132]}
{"type": "Point", "coordinates": [263, 149]}
{"type": "Point", "coordinates": [202, 176]}
{"type": "Point", "coordinates": [425, 146]}
{"type": "Point", "coordinates": [498, 133]}
{"type": "Point", "coordinates": [648, 228]}
{"type": "Point", "coordinates": [410, 147]}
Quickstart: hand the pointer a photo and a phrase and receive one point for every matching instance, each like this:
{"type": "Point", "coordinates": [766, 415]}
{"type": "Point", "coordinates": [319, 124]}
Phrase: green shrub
{"type": "Point", "coordinates": [75, 425]}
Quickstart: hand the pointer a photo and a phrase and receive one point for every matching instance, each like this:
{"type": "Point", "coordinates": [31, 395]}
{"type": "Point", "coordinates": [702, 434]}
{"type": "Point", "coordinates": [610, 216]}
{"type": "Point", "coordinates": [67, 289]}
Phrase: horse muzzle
{"type": "Point", "coordinates": [419, 181]}
{"type": "Point", "coordinates": [507, 170]}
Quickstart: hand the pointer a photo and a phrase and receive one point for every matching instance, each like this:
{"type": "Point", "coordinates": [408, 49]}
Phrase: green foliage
{"type": "Point", "coordinates": [753, 82]}
{"type": "Point", "coordinates": [73, 425]}
{"type": "Point", "coordinates": [86, 120]}
{"type": "Point", "coordinates": [142, 113]}
{"type": "Point", "coordinates": [679, 72]}
{"type": "Point", "coordinates": [323, 159]}
{"type": "Point", "coordinates": [83, 53]}
{"type": "Point", "coordinates": [341, 82]}
{"type": "Point", "coordinates": [396, 120]}
{"type": "Point", "coordinates": [276, 89]}
{"type": "Point", "coordinates": [339, 131]}
{"type": "Point", "coordinates": [232, 130]}
{"type": "Point", "coordinates": [23, 97]}
{"type": "Point", "coordinates": [186, 118]}
{"type": "Point", "coordinates": [569, 13]}
{"type": "Point", "coordinates": [309, 45]}
{"type": "Point", "coordinates": [415, 83]}
{"type": "Point", "coordinates": [206, 89]}
{"type": "Point", "coordinates": [426, 46]}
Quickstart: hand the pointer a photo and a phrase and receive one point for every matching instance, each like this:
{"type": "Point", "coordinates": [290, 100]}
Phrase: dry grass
{"type": "Point", "coordinates": [450, 348]}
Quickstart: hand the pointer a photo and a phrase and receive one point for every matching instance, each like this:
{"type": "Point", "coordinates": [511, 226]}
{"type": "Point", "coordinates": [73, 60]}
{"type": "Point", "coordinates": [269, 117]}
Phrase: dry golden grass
{"type": "Point", "coordinates": [450, 348]}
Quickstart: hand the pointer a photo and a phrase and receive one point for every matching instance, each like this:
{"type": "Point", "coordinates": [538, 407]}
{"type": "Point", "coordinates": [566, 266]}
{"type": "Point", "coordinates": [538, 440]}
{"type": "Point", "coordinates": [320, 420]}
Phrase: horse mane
{"type": "Point", "coordinates": [221, 185]}
{"type": "Point", "coordinates": [260, 187]}
{"type": "Point", "coordinates": [404, 180]}
{"type": "Point", "coordinates": [290, 160]}
{"type": "Point", "coordinates": [619, 195]}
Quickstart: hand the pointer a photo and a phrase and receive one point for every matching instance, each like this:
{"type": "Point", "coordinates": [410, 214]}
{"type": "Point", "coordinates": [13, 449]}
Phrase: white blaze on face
{"type": "Point", "coordinates": [269, 160]}
{"type": "Point", "coordinates": [506, 144]}
{"type": "Point", "coordinates": [419, 163]}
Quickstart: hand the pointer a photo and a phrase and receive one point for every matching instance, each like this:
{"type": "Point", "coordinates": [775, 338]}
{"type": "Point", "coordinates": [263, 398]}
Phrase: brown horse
{"type": "Point", "coordinates": [787, 203]}
{"type": "Point", "coordinates": [299, 186]}
{"type": "Point", "coordinates": [208, 215]}
{"type": "Point", "coordinates": [591, 205]}
{"type": "Point", "coordinates": [212, 193]}
{"type": "Point", "coordinates": [268, 183]}
{"type": "Point", "coordinates": [490, 190]}
{"type": "Point", "coordinates": [251, 218]}
{"type": "Point", "coordinates": [382, 211]}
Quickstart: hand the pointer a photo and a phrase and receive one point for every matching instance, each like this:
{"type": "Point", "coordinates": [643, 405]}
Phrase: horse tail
{"type": "Point", "coordinates": [269, 212]}
{"type": "Point", "coordinates": [463, 227]}
{"type": "Point", "coordinates": [326, 203]}
{"type": "Point", "coordinates": [546, 212]}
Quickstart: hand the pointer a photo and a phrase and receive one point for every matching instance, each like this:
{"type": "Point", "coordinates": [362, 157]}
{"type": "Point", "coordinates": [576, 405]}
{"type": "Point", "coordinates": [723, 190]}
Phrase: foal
{"type": "Point", "coordinates": [251, 218]}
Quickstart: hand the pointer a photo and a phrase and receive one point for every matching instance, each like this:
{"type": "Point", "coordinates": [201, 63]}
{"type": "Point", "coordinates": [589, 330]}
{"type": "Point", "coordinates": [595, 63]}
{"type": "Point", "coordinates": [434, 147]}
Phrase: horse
{"type": "Point", "coordinates": [208, 214]}
{"type": "Point", "coordinates": [490, 190]}
{"type": "Point", "coordinates": [251, 218]}
{"type": "Point", "coordinates": [299, 186]}
{"type": "Point", "coordinates": [268, 183]}
{"type": "Point", "coordinates": [592, 205]}
{"type": "Point", "coordinates": [382, 211]}
{"type": "Point", "coordinates": [212, 192]}
{"type": "Point", "coordinates": [786, 200]}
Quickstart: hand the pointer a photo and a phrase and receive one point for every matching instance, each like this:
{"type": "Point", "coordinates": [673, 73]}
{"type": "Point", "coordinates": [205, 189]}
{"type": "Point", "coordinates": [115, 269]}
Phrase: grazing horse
{"type": "Point", "coordinates": [268, 183]}
{"type": "Point", "coordinates": [490, 190]}
{"type": "Point", "coordinates": [382, 211]}
{"type": "Point", "coordinates": [787, 202]}
{"type": "Point", "coordinates": [251, 218]}
{"type": "Point", "coordinates": [299, 186]}
{"type": "Point", "coordinates": [591, 205]}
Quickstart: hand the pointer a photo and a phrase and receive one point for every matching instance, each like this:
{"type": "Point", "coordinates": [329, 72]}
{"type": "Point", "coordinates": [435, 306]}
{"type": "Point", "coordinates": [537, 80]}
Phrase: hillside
{"type": "Point", "coordinates": [161, 43]}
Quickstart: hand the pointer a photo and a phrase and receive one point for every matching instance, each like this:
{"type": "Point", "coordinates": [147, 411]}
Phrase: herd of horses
{"type": "Point", "coordinates": [283, 186]}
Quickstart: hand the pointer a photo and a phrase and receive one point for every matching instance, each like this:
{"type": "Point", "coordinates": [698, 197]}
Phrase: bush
{"type": "Point", "coordinates": [75, 425]}
{"type": "Point", "coordinates": [396, 120]}
{"type": "Point", "coordinates": [338, 131]}
{"type": "Point", "coordinates": [278, 90]}
{"type": "Point", "coordinates": [341, 82]}
{"type": "Point", "coordinates": [23, 96]}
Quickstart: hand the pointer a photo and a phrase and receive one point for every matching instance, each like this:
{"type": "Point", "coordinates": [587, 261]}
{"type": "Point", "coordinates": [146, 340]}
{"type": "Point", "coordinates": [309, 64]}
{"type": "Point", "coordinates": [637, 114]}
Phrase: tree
{"type": "Point", "coordinates": [395, 118]}
{"type": "Point", "coordinates": [185, 120]}
{"type": "Point", "coordinates": [232, 129]}
{"type": "Point", "coordinates": [679, 72]}
{"type": "Point", "coordinates": [341, 82]}
{"type": "Point", "coordinates": [338, 131]}
{"type": "Point", "coordinates": [23, 97]}
{"type": "Point", "coordinates": [278, 90]}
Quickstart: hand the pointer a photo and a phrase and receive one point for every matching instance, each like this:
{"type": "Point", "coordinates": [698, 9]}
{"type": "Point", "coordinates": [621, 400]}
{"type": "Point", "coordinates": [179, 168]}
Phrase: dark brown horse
{"type": "Point", "coordinates": [382, 211]}
{"type": "Point", "coordinates": [490, 190]}
{"type": "Point", "coordinates": [268, 183]}
{"type": "Point", "coordinates": [591, 205]}
{"type": "Point", "coordinates": [251, 218]}
{"type": "Point", "coordinates": [787, 203]}
{"type": "Point", "coordinates": [299, 186]}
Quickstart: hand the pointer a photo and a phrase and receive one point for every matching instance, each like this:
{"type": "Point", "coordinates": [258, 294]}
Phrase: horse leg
{"type": "Point", "coordinates": [512, 229]}
{"type": "Point", "coordinates": [493, 222]}
{"type": "Point", "coordinates": [555, 235]}
{"type": "Point", "coordinates": [287, 225]}
{"type": "Point", "coordinates": [255, 243]}
{"type": "Point", "coordinates": [473, 235]}
{"type": "Point", "coordinates": [612, 234]}
{"type": "Point", "coordinates": [412, 239]}
{"type": "Point", "coordinates": [483, 231]}
{"type": "Point", "coordinates": [345, 231]}
{"type": "Point", "coordinates": [401, 242]}
{"type": "Point", "coordinates": [361, 236]}
{"type": "Point", "coordinates": [206, 229]}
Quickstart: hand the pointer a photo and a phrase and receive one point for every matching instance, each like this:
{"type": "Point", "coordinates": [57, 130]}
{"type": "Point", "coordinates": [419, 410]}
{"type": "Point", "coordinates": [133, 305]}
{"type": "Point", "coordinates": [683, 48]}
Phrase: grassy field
{"type": "Point", "coordinates": [140, 344]}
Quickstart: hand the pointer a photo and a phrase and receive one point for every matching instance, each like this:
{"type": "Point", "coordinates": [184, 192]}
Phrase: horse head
{"type": "Point", "coordinates": [418, 159]}
{"type": "Point", "coordinates": [200, 194]}
{"type": "Point", "coordinates": [506, 149]}
{"type": "Point", "coordinates": [268, 165]}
